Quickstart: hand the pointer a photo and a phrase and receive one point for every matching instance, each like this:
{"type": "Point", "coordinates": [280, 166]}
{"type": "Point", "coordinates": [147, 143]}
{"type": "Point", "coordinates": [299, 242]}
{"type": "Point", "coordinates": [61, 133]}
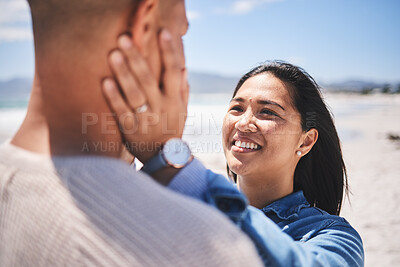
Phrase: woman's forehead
{"type": "Point", "coordinates": [264, 86]}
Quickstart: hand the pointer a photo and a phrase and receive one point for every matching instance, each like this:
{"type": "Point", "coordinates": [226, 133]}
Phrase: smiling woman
{"type": "Point", "coordinates": [279, 138]}
{"type": "Point", "coordinates": [283, 151]}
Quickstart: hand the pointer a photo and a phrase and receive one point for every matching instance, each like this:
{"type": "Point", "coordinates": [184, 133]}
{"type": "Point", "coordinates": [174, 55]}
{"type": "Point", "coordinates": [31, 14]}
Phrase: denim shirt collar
{"type": "Point", "coordinates": [288, 207]}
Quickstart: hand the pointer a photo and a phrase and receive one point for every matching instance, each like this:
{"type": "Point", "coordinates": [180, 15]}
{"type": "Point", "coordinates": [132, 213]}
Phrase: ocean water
{"type": "Point", "coordinates": [204, 121]}
{"type": "Point", "coordinates": [10, 120]}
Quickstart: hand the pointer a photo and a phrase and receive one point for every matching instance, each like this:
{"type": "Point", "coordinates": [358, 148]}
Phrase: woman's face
{"type": "Point", "coordinates": [262, 130]}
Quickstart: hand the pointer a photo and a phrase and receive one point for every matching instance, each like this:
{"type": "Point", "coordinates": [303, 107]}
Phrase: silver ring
{"type": "Point", "coordinates": [141, 109]}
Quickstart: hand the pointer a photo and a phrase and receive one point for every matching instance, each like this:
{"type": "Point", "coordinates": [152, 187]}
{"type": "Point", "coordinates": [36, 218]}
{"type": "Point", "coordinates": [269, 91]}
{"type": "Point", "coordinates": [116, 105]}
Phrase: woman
{"type": "Point", "coordinates": [283, 151]}
{"type": "Point", "coordinates": [279, 138]}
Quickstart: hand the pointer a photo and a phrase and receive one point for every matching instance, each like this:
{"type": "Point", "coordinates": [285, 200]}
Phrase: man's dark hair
{"type": "Point", "coordinates": [55, 18]}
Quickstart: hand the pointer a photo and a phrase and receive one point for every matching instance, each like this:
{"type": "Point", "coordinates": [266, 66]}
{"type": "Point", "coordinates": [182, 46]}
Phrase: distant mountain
{"type": "Point", "coordinates": [19, 89]}
{"type": "Point", "coordinates": [209, 83]}
{"type": "Point", "coordinates": [360, 86]}
{"type": "Point", "coordinates": [15, 89]}
{"type": "Point", "coordinates": [199, 83]}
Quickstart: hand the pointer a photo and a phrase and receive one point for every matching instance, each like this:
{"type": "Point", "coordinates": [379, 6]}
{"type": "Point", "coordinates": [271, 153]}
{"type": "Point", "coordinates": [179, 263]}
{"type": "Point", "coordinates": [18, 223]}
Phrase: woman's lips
{"type": "Point", "coordinates": [245, 147]}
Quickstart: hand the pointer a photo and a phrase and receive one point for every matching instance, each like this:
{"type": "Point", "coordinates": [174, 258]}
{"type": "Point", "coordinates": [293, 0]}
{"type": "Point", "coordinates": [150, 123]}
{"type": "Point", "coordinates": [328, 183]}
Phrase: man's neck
{"type": "Point", "coordinates": [33, 135]}
{"type": "Point", "coordinates": [67, 113]}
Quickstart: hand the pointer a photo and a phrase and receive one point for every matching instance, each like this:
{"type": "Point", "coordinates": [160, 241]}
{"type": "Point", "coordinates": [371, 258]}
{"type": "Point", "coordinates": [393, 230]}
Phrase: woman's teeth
{"type": "Point", "coordinates": [246, 145]}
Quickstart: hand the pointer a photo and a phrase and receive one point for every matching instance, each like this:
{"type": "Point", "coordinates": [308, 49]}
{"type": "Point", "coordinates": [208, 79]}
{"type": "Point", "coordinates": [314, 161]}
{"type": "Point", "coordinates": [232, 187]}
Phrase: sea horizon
{"type": "Point", "coordinates": [205, 115]}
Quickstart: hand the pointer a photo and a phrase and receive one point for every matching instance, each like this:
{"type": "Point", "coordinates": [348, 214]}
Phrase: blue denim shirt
{"type": "Point", "coordinates": [288, 232]}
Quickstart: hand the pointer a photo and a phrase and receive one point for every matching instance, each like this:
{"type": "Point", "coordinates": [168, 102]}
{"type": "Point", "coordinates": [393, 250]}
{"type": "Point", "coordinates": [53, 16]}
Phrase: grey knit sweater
{"type": "Point", "coordinates": [97, 211]}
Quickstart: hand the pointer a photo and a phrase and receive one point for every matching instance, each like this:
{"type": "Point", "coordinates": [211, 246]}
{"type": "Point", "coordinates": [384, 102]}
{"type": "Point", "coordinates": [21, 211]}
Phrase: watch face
{"type": "Point", "coordinates": [176, 152]}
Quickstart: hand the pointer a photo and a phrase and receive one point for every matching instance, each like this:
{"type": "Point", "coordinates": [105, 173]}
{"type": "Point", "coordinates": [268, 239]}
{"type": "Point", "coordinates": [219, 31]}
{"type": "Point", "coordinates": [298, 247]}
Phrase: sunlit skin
{"type": "Point", "coordinates": [262, 113]}
{"type": "Point", "coordinates": [175, 20]}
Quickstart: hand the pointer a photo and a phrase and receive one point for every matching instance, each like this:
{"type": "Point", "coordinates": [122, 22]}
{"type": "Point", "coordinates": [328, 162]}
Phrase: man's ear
{"type": "Point", "coordinates": [145, 24]}
{"type": "Point", "coordinates": [309, 139]}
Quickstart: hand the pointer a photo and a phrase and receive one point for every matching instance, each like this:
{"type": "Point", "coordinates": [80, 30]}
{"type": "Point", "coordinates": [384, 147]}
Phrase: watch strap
{"type": "Point", "coordinates": [154, 164]}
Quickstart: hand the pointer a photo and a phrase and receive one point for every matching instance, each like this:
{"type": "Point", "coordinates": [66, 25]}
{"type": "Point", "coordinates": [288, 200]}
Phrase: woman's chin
{"type": "Point", "coordinates": [239, 167]}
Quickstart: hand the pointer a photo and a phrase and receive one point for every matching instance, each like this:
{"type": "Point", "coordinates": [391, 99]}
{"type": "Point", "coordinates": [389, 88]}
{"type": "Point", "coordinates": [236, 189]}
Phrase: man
{"type": "Point", "coordinates": [65, 197]}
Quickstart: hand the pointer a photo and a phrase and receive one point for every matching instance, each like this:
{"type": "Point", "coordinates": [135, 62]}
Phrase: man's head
{"type": "Point", "coordinates": [72, 42]}
{"type": "Point", "coordinates": [84, 26]}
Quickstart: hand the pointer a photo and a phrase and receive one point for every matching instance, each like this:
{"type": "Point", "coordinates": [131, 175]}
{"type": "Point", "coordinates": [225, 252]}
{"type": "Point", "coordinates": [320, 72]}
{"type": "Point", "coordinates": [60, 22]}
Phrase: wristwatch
{"type": "Point", "coordinates": [175, 153]}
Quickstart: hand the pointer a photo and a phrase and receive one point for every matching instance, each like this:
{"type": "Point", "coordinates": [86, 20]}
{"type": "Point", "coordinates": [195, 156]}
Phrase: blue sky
{"type": "Point", "coordinates": [334, 40]}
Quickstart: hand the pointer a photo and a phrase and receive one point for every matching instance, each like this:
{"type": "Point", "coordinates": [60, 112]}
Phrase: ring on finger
{"type": "Point", "coordinates": [141, 109]}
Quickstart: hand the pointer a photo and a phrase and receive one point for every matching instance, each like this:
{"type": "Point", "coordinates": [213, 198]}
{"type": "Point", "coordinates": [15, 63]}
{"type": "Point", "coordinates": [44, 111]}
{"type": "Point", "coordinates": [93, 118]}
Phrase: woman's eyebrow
{"type": "Point", "coordinates": [237, 99]}
{"type": "Point", "coordinates": [261, 102]}
{"type": "Point", "coordinates": [269, 102]}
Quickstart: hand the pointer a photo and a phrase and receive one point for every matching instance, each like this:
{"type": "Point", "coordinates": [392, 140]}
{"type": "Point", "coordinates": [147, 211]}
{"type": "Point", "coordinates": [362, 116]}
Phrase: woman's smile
{"type": "Point", "coordinates": [244, 145]}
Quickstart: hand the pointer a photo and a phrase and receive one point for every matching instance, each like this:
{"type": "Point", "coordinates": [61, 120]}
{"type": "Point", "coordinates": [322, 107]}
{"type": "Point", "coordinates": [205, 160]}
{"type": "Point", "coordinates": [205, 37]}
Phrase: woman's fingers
{"type": "Point", "coordinates": [126, 80]}
{"type": "Point", "coordinates": [185, 88]}
{"type": "Point", "coordinates": [140, 69]}
{"type": "Point", "coordinates": [172, 62]}
{"type": "Point", "coordinates": [125, 117]}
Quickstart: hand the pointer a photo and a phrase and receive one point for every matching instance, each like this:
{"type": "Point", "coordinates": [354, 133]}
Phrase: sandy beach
{"type": "Point", "coordinates": [373, 163]}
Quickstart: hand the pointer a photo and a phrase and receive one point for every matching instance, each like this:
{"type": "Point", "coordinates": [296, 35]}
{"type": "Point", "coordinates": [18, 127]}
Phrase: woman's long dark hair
{"type": "Point", "coordinates": [321, 174]}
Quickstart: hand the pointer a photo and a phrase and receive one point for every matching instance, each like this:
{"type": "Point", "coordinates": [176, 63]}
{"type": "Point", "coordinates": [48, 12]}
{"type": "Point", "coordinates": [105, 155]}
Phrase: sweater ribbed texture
{"type": "Point", "coordinates": [97, 211]}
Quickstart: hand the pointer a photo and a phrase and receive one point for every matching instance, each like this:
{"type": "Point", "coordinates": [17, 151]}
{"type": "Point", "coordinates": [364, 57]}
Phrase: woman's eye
{"type": "Point", "coordinates": [269, 112]}
{"type": "Point", "coordinates": [236, 108]}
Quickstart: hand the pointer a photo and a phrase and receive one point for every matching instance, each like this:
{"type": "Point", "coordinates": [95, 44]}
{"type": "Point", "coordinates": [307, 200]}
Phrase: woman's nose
{"type": "Point", "coordinates": [246, 123]}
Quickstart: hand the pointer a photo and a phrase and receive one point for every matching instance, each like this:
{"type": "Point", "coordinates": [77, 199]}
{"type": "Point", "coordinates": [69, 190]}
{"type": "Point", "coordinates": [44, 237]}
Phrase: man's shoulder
{"type": "Point", "coordinates": [151, 215]}
{"type": "Point", "coordinates": [98, 184]}
{"type": "Point", "coordinates": [134, 213]}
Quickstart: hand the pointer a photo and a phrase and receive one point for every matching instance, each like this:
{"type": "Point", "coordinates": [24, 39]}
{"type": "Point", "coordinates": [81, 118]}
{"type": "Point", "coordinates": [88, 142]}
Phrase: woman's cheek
{"type": "Point", "coordinates": [227, 126]}
{"type": "Point", "coordinates": [225, 133]}
{"type": "Point", "coordinates": [269, 128]}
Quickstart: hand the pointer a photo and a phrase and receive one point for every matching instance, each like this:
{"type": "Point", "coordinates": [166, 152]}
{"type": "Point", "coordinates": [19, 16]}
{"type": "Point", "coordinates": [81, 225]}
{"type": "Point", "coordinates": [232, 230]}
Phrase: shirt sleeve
{"type": "Point", "coordinates": [191, 180]}
{"type": "Point", "coordinates": [340, 245]}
